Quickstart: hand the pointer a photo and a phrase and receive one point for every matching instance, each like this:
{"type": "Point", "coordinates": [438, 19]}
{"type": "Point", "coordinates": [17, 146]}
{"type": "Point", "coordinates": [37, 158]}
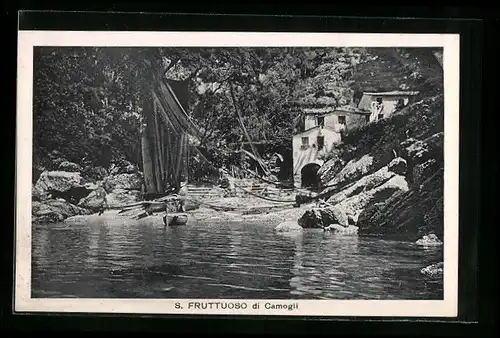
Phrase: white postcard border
{"type": "Point", "coordinates": [448, 307]}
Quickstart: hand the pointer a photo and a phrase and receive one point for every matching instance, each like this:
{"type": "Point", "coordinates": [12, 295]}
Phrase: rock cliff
{"type": "Point", "coordinates": [388, 176]}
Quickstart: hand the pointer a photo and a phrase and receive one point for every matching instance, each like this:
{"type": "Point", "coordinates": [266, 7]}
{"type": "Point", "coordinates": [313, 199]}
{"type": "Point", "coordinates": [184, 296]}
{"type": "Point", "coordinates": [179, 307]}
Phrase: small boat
{"type": "Point", "coordinates": [175, 218]}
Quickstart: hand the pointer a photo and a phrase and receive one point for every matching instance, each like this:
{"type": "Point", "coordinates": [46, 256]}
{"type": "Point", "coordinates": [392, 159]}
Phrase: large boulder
{"type": "Point", "coordinates": [57, 181]}
{"type": "Point", "coordinates": [60, 184]}
{"type": "Point", "coordinates": [366, 183]}
{"type": "Point", "coordinates": [355, 204]}
{"type": "Point", "coordinates": [323, 217]}
{"type": "Point", "coordinates": [288, 226]}
{"type": "Point", "coordinates": [53, 211]}
{"type": "Point", "coordinates": [120, 197]}
{"type": "Point", "coordinates": [433, 270]}
{"type": "Point", "coordinates": [74, 195]}
{"type": "Point", "coordinates": [416, 212]}
{"type": "Point", "coordinates": [95, 200]}
{"type": "Point", "coordinates": [311, 219]}
{"type": "Point", "coordinates": [353, 170]}
{"type": "Point", "coordinates": [331, 167]}
{"type": "Point", "coordinates": [429, 240]}
{"type": "Point", "coordinates": [123, 181]}
{"type": "Point", "coordinates": [424, 157]}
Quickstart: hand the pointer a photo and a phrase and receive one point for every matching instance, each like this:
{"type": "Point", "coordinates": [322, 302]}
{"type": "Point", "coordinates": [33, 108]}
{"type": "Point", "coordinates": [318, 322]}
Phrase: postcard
{"type": "Point", "coordinates": [237, 173]}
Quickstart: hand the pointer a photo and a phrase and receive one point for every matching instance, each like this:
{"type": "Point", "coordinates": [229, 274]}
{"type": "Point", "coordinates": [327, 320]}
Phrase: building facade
{"type": "Point", "coordinates": [308, 148]}
{"type": "Point", "coordinates": [383, 104]}
{"type": "Point", "coordinates": [323, 129]}
{"type": "Point", "coordinates": [337, 119]}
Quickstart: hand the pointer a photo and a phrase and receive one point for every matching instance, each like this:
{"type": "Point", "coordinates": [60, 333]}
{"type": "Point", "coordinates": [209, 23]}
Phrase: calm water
{"type": "Point", "coordinates": [119, 258]}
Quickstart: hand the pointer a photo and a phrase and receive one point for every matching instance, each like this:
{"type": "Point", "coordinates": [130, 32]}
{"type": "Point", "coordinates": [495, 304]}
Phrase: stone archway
{"type": "Point", "coordinates": [309, 175]}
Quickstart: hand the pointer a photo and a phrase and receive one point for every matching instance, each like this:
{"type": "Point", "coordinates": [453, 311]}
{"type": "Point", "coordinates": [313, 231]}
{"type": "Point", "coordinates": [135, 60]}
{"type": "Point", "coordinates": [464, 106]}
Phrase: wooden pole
{"type": "Point", "coordinates": [180, 159]}
{"type": "Point", "coordinates": [156, 154]}
{"type": "Point", "coordinates": [186, 168]}
{"type": "Point", "coordinates": [252, 146]}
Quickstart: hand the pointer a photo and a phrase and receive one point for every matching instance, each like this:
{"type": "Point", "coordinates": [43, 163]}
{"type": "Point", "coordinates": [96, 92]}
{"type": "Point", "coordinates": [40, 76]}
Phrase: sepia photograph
{"type": "Point", "coordinates": [237, 173]}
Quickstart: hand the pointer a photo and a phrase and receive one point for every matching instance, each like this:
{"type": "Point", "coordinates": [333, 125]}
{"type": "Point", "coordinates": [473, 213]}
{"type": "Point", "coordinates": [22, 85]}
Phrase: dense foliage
{"type": "Point", "coordinates": [87, 100]}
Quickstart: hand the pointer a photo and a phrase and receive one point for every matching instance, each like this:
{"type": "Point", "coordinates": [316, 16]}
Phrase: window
{"type": "Point", "coordinates": [321, 142]}
{"type": "Point", "coordinates": [321, 121]}
{"type": "Point", "coordinates": [305, 142]}
{"type": "Point", "coordinates": [342, 120]}
{"type": "Point", "coordinates": [400, 104]}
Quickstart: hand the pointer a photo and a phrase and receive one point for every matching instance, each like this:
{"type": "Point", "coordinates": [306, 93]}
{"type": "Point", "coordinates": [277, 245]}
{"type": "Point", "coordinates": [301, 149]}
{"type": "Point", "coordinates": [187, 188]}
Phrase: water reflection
{"type": "Point", "coordinates": [295, 281]}
{"type": "Point", "coordinates": [93, 249]}
{"type": "Point", "coordinates": [319, 264]}
{"type": "Point", "coordinates": [113, 258]}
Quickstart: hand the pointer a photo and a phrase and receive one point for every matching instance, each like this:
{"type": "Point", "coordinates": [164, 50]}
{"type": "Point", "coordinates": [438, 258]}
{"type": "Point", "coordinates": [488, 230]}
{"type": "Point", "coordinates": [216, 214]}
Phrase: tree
{"type": "Point", "coordinates": [89, 103]}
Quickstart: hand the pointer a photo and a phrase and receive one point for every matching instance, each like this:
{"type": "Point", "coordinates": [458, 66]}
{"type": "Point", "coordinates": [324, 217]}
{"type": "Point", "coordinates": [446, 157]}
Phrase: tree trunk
{"type": "Point", "coordinates": [147, 165]}
{"type": "Point", "coordinates": [148, 149]}
{"type": "Point", "coordinates": [157, 152]}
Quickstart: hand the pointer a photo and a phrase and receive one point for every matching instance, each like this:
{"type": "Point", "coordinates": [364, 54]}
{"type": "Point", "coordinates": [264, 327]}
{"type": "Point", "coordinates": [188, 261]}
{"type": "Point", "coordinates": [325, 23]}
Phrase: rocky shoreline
{"type": "Point", "coordinates": [385, 201]}
{"type": "Point", "coordinates": [67, 189]}
{"type": "Point", "coordinates": [388, 177]}
{"type": "Point", "coordinates": [55, 190]}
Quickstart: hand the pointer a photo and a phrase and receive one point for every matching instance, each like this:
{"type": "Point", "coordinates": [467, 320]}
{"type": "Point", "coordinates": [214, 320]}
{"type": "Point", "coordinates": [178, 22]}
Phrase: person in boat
{"type": "Point", "coordinates": [182, 192]}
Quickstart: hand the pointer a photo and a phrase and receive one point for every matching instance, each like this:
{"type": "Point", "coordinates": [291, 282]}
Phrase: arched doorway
{"type": "Point", "coordinates": [309, 175]}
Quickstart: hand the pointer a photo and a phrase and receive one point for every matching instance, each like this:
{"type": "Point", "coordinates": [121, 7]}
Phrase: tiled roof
{"type": "Point", "coordinates": [324, 110]}
{"type": "Point", "coordinates": [391, 93]}
{"type": "Point", "coordinates": [352, 109]}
